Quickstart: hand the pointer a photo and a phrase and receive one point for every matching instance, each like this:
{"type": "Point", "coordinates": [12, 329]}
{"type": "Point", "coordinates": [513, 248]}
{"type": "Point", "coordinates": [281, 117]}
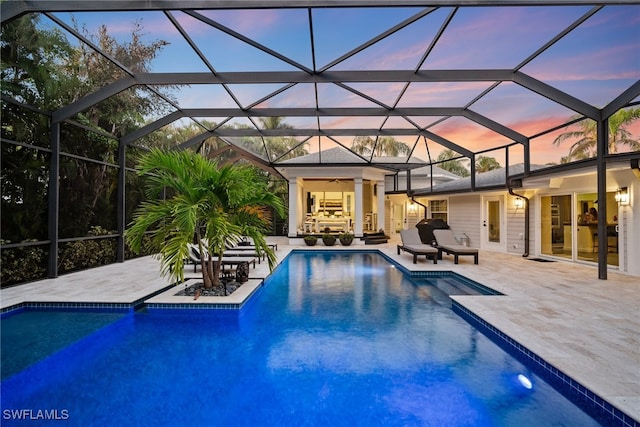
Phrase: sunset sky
{"type": "Point", "coordinates": [595, 62]}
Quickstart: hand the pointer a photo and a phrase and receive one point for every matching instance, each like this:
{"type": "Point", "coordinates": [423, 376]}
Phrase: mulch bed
{"type": "Point", "coordinates": [216, 291]}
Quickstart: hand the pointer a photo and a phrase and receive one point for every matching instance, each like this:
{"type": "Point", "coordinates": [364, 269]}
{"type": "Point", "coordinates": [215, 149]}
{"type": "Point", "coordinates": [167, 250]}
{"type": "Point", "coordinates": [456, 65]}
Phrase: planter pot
{"type": "Point", "coordinates": [329, 241]}
{"type": "Point", "coordinates": [310, 242]}
{"type": "Point", "coordinates": [346, 241]}
{"type": "Point", "coordinates": [242, 272]}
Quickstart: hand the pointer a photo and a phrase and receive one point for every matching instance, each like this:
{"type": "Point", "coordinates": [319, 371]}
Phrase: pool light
{"type": "Point", "coordinates": [526, 382]}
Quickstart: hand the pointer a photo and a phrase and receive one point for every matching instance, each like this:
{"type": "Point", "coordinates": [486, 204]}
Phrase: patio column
{"type": "Point", "coordinates": [121, 220]}
{"type": "Point", "coordinates": [380, 195]}
{"type": "Point", "coordinates": [293, 207]}
{"type": "Point", "coordinates": [54, 200]}
{"type": "Point", "coordinates": [601, 177]}
{"type": "Point", "coordinates": [357, 227]}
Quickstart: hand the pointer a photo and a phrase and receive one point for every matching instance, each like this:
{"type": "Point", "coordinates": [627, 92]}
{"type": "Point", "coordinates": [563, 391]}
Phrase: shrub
{"type": "Point", "coordinates": [346, 239]}
{"type": "Point", "coordinates": [328, 239]}
{"type": "Point", "coordinates": [310, 240]}
{"type": "Point", "coordinates": [83, 254]}
{"type": "Point", "coordinates": [24, 264]}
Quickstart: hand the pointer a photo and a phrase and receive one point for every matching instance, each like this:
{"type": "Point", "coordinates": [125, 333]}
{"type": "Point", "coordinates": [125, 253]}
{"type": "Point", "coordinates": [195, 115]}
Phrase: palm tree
{"type": "Point", "coordinates": [585, 146]}
{"type": "Point", "coordinates": [382, 146]}
{"type": "Point", "coordinates": [486, 164]}
{"type": "Point", "coordinates": [274, 122]}
{"type": "Point", "coordinates": [215, 204]}
{"type": "Point", "coordinates": [451, 162]}
{"type": "Point", "coordinates": [281, 147]}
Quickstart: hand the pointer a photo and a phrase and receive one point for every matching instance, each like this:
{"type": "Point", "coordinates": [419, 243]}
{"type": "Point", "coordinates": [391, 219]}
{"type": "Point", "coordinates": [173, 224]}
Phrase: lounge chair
{"type": "Point", "coordinates": [247, 244]}
{"type": "Point", "coordinates": [195, 258]}
{"type": "Point", "coordinates": [242, 253]}
{"type": "Point", "coordinates": [447, 243]}
{"type": "Point", "coordinates": [411, 243]}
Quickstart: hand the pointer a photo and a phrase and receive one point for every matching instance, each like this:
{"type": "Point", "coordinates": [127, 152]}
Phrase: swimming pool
{"type": "Point", "coordinates": [33, 335]}
{"type": "Point", "coordinates": [331, 339]}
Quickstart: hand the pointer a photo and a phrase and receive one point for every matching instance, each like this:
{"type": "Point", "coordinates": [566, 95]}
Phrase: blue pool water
{"type": "Point", "coordinates": [332, 339]}
{"type": "Point", "coordinates": [33, 335]}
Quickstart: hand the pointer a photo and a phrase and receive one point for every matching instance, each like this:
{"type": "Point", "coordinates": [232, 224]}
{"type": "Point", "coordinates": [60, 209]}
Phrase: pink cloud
{"type": "Point", "coordinates": [529, 127]}
{"type": "Point", "coordinates": [155, 24]}
{"type": "Point", "coordinates": [245, 21]}
{"type": "Point", "coordinates": [573, 68]}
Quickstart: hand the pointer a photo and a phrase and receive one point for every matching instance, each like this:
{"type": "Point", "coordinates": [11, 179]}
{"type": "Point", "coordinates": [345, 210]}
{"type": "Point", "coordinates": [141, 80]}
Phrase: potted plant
{"type": "Point", "coordinates": [310, 240]}
{"type": "Point", "coordinates": [346, 238]}
{"type": "Point", "coordinates": [328, 239]}
{"type": "Point", "coordinates": [215, 204]}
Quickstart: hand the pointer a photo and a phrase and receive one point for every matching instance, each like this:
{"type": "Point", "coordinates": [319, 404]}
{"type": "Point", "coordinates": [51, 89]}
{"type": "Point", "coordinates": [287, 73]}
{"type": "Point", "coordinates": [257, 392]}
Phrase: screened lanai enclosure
{"type": "Point", "coordinates": [87, 86]}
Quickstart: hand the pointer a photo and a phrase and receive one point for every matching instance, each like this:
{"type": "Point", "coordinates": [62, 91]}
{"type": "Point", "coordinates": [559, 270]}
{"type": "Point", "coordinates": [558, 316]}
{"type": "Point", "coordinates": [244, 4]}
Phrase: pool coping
{"type": "Point", "coordinates": [82, 305]}
{"type": "Point", "coordinates": [169, 300]}
{"type": "Point", "coordinates": [596, 406]}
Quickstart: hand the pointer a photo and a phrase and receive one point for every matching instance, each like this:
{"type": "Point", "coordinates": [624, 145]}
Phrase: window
{"type": "Point", "coordinates": [438, 209]}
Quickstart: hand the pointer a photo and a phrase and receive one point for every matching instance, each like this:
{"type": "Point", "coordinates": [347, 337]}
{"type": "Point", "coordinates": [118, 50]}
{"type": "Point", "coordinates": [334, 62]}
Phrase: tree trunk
{"type": "Point", "coordinates": [216, 270]}
{"type": "Point", "coordinates": [209, 273]}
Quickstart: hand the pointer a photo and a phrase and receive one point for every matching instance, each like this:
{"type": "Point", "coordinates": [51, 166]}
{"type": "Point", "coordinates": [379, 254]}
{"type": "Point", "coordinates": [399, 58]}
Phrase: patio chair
{"type": "Point", "coordinates": [447, 243]}
{"type": "Point", "coordinates": [411, 243]}
{"type": "Point", "coordinates": [237, 252]}
{"type": "Point", "coordinates": [194, 255]}
{"type": "Point", "coordinates": [195, 258]}
{"type": "Point", "coordinates": [248, 245]}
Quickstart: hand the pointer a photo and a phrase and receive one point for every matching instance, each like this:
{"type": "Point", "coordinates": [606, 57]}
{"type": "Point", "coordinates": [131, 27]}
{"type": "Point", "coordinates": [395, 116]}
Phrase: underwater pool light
{"type": "Point", "coordinates": [526, 382]}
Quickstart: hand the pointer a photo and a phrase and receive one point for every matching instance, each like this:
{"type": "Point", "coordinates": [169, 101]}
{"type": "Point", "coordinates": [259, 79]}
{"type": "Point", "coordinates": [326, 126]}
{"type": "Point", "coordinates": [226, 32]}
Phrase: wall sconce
{"type": "Point", "coordinates": [412, 208]}
{"type": "Point", "coordinates": [622, 196]}
{"type": "Point", "coordinates": [518, 203]}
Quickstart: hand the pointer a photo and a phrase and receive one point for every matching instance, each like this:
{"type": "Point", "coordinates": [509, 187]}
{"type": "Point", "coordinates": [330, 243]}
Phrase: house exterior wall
{"type": "Point", "coordinates": [629, 219]}
{"type": "Point", "coordinates": [628, 215]}
{"type": "Point", "coordinates": [388, 217]}
{"type": "Point", "coordinates": [465, 213]}
{"type": "Point", "coordinates": [515, 226]}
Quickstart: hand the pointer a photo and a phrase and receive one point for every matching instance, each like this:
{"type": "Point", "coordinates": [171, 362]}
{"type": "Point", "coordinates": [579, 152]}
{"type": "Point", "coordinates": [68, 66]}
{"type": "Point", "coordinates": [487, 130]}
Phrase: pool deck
{"type": "Point", "coordinates": [587, 328]}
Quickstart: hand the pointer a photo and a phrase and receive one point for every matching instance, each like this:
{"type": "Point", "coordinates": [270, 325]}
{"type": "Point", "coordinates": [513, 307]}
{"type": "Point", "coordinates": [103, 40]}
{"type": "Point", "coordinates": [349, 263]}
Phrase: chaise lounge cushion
{"type": "Point", "coordinates": [447, 243]}
{"type": "Point", "coordinates": [195, 257]}
{"type": "Point", "coordinates": [411, 243]}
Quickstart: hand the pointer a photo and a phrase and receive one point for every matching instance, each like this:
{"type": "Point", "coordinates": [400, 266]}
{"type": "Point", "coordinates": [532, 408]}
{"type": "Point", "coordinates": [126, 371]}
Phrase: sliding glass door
{"type": "Point", "coordinates": [569, 227]}
{"type": "Point", "coordinates": [589, 216]}
{"type": "Point", "coordinates": [556, 226]}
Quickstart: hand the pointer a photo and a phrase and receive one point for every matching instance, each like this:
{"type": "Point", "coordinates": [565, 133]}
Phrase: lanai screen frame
{"type": "Point", "coordinates": [13, 9]}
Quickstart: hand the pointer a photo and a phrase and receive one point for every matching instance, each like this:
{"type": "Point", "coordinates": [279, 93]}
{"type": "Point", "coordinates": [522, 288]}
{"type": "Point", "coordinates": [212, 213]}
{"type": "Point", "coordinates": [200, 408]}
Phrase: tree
{"type": "Point", "coordinates": [486, 164]}
{"type": "Point", "coordinates": [121, 114]}
{"type": "Point", "coordinates": [42, 69]}
{"type": "Point", "coordinates": [31, 63]}
{"type": "Point", "coordinates": [585, 145]}
{"type": "Point", "coordinates": [451, 162]}
{"type": "Point", "coordinates": [274, 122]}
{"type": "Point", "coordinates": [382, 146]}
{"type": "Point", "coordinates": [279, 147]}
{"type": "Point", "coordinates": [215, 204]}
